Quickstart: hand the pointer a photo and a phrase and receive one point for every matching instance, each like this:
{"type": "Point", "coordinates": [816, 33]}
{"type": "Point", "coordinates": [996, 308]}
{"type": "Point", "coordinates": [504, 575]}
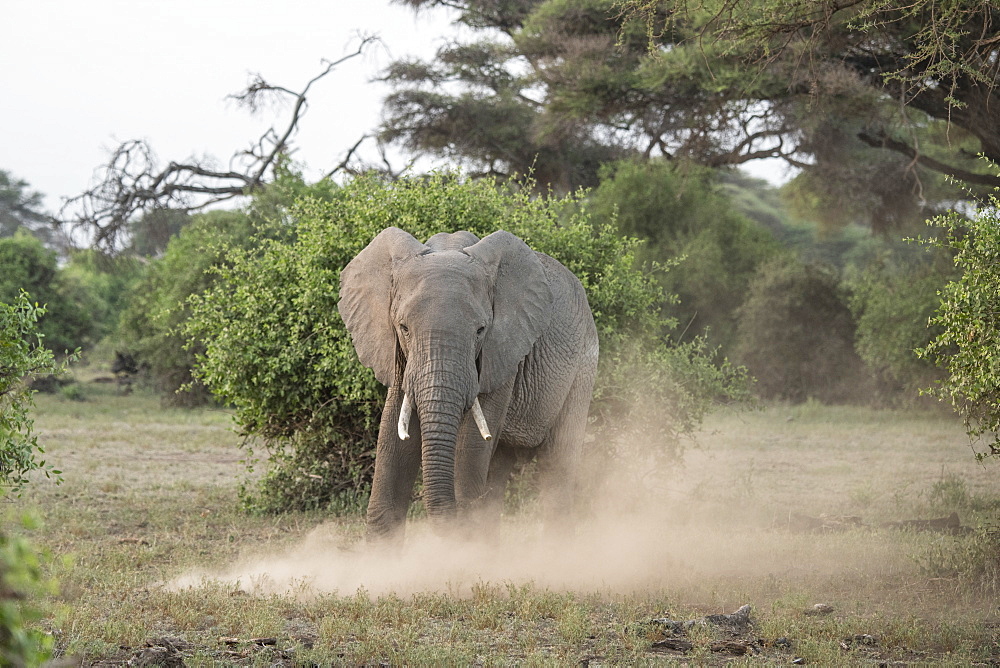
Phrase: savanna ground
{"type": "Point", "coordinates": [157, 565]}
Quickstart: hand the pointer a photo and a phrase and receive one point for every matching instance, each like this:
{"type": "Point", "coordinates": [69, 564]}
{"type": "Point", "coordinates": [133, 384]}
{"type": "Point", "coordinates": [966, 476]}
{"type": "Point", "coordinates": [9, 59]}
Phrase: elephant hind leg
{"type": "Point", "coordinates": [501, 467]}
{"type": "Point", "coordinates": [559, 458]}
{"type": "Point", "coordinates": [481, 499]}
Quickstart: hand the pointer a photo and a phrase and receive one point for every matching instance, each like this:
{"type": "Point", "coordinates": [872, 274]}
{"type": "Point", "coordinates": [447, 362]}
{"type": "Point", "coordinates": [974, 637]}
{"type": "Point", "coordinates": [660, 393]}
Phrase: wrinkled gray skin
{"type": "Point", "coordinates": [453, 320]}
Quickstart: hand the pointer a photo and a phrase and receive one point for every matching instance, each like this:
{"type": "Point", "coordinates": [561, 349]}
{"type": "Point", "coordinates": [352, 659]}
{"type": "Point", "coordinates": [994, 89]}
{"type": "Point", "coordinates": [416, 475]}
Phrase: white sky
{"type": "Point", "coordinates": [76, 78]}
{"type": "Point", "coordinates": [79, 77]}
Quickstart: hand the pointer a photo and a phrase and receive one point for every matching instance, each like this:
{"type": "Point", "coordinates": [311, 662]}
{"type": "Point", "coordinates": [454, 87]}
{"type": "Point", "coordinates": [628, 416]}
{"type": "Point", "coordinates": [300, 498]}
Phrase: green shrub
{"type": "Point", "coordinates": [892, 307]}
{"type": "Point", "coordinates": [683, 212]}
{"type": "Point", "coordinates": [97, 287]}
{"type": "Point", "coordinates": [31, 267]}
{"type": "Point", "coordinates": [156, 307]}
{"type": "Point", "coordinates": [795, 335]}
{"type": "Point", "coordinates": [972, 559]}
{"type": "Point", "coordinates": [22, 358]}
{"type": "Point", "coordinates": [967, 346]}
{"type": "Point", "coordinates": [277, 351]}
{"type": "Point", "coordinates": [151, 322]}
{"type": "Point", "coordinates": [21, 579]}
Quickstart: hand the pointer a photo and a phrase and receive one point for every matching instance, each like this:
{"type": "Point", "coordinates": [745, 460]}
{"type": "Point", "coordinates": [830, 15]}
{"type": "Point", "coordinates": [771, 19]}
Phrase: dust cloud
{"type": "Point", "coordinates": [639, 538]}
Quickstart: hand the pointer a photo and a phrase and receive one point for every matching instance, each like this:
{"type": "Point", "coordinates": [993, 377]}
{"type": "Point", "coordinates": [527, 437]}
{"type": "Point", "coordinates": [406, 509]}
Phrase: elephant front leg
{"type": "Point", "coordinates": [396, 465]}
{"type": "Point", "coordinates": [482, 469]}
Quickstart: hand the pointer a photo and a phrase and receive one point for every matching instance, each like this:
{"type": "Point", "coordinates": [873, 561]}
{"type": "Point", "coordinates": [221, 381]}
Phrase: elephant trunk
{"type": "Point", "coordinates": [440, 412]}
{"type": "Point", "coordinates": [441, 388]}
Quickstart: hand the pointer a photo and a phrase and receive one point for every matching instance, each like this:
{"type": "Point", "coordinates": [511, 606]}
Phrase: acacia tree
{"type": "Point", "coordinates": [722, 83]}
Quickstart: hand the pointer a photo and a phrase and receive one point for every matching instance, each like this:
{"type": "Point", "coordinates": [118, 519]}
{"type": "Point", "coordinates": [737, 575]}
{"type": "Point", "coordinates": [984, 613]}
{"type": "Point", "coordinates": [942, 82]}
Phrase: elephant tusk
{"type": "Point", "coordinates": [404, 418]}
{"type": "Point", "coordinates": [477, 413]}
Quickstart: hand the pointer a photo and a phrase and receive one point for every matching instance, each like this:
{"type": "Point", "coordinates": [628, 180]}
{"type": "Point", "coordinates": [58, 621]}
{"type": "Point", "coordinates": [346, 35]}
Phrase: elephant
{"type": "Point", "coordinates": [489, 352]}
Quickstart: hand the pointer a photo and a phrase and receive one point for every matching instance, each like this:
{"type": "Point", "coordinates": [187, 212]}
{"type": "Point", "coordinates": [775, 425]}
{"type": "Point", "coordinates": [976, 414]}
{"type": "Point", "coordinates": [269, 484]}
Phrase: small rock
{"type": "Point", "coordinates": [820, 609]}
{"type": "Point", "coordinates": [798, 661]}
{"type": "Point", "coordinates": [864, 639]}
{"type": "Point", "coordinates": [783, 643]}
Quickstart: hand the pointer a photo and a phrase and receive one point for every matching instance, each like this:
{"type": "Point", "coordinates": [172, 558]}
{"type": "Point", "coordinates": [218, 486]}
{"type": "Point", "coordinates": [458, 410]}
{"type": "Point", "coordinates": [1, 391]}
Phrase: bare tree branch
{"type": "Point", "coordinates": [882, 140]}
{"type": "Point", "coordinates": [131, 183]}
{"type": "Point", "coordinates": [343, 165]}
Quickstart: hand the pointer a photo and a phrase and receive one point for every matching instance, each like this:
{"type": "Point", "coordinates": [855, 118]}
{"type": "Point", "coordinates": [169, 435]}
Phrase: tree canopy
{"type": "Point", "coordinates": [563, 86]}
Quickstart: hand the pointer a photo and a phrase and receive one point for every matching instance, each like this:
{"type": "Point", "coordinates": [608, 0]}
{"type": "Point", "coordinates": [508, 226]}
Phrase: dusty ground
{"type": "Point", "coordinates": [155, 560]}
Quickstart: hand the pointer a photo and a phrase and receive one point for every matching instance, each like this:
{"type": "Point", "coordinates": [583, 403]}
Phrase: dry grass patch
{"type": "Point", "coordinates": [157, 563]}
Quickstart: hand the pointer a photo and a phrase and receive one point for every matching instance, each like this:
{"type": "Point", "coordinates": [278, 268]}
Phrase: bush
{"type": "Point", "coordinates": [892, 307]}
{"type": "Point", "coordinates": [22, 358]}
{"type": "Point", "coordinates": [21, 578]}
{"type": "Point", "coordinates": [795, 335]}
{"type": "Point", "coordinates": [29, 266]}
{"type": "Point", "coordinates": [277, 351]}
{"type": "Point", "coordinates": [682, 212]}
{"type": "Point", "coordinates": [968, 345]}
{"type": "Point", "coordinates": [96, 286]}
{"type": "Point", "coordinates": [973, 560]}
{"type": "Point", "coordinates": [156, 307]}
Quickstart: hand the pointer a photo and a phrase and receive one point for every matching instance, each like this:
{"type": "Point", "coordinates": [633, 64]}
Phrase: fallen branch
{"type": "Point", "coordinates": [737, 621]}
{"type": "Point", "coordinates": [950, 524]}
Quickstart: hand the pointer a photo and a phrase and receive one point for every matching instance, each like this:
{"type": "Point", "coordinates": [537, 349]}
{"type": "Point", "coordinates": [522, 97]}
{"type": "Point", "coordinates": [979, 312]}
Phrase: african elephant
{"type": "Point", "coordinates": [494, 346]}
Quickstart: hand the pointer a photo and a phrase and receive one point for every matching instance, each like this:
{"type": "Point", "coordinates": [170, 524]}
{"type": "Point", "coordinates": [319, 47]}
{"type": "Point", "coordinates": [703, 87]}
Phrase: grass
{"type": "Point", "coordinates": [156, 562]}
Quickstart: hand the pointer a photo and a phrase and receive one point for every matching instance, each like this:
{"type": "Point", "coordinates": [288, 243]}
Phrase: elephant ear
{"type": "Point", "coordinates": [365, 289]}
{"type": "Point", "coordinates": [522, 305]}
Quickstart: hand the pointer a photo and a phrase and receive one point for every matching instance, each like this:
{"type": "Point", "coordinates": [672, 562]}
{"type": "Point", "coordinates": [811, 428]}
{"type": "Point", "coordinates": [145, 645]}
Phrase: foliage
{"type": "Point", "coordinates": [938, 61]}
{"type": "Point", "coordinates": [20, 208]}
{"type": "Point", "coordinates": [78, 297]}
{"type": "Point", "coordinates": [22, 357]}
{"type": "Point", "coordinates": [968, 318]}
{"type": "Point", "coordinates": [717, 83]}
{"type": "Point", "coordinates": [21, 577]}
{"type": "Point", "coordinates": [475, 108]}
{"type": "Point", "coordinates": [973, 560]}
{"type": "Point", "coordinates": [943, 43]}
{"type": "Point", "coordinates": [795, 334]}
{"type": "Point", "coordinates": [892, 303]}
{"type": "Point", "coordinates": [278, 353]}
{"type": "Point", "coordinates": [156, 307]}
{"type": "Point", "coordinates": [683, 213]}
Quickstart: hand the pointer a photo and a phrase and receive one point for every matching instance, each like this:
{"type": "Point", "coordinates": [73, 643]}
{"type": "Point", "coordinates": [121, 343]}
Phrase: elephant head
{"type": "Point", "coordinates": [444, 322]}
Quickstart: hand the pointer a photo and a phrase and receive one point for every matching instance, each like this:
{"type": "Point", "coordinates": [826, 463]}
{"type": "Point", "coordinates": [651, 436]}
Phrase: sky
{"type": "Point", "coordinates": [77, 78]}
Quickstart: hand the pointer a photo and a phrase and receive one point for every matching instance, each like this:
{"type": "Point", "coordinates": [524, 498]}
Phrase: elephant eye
{"type": "Point", "coordinates": [479, 332]}
{"type": "Point", "coordinates": [404, 329]}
